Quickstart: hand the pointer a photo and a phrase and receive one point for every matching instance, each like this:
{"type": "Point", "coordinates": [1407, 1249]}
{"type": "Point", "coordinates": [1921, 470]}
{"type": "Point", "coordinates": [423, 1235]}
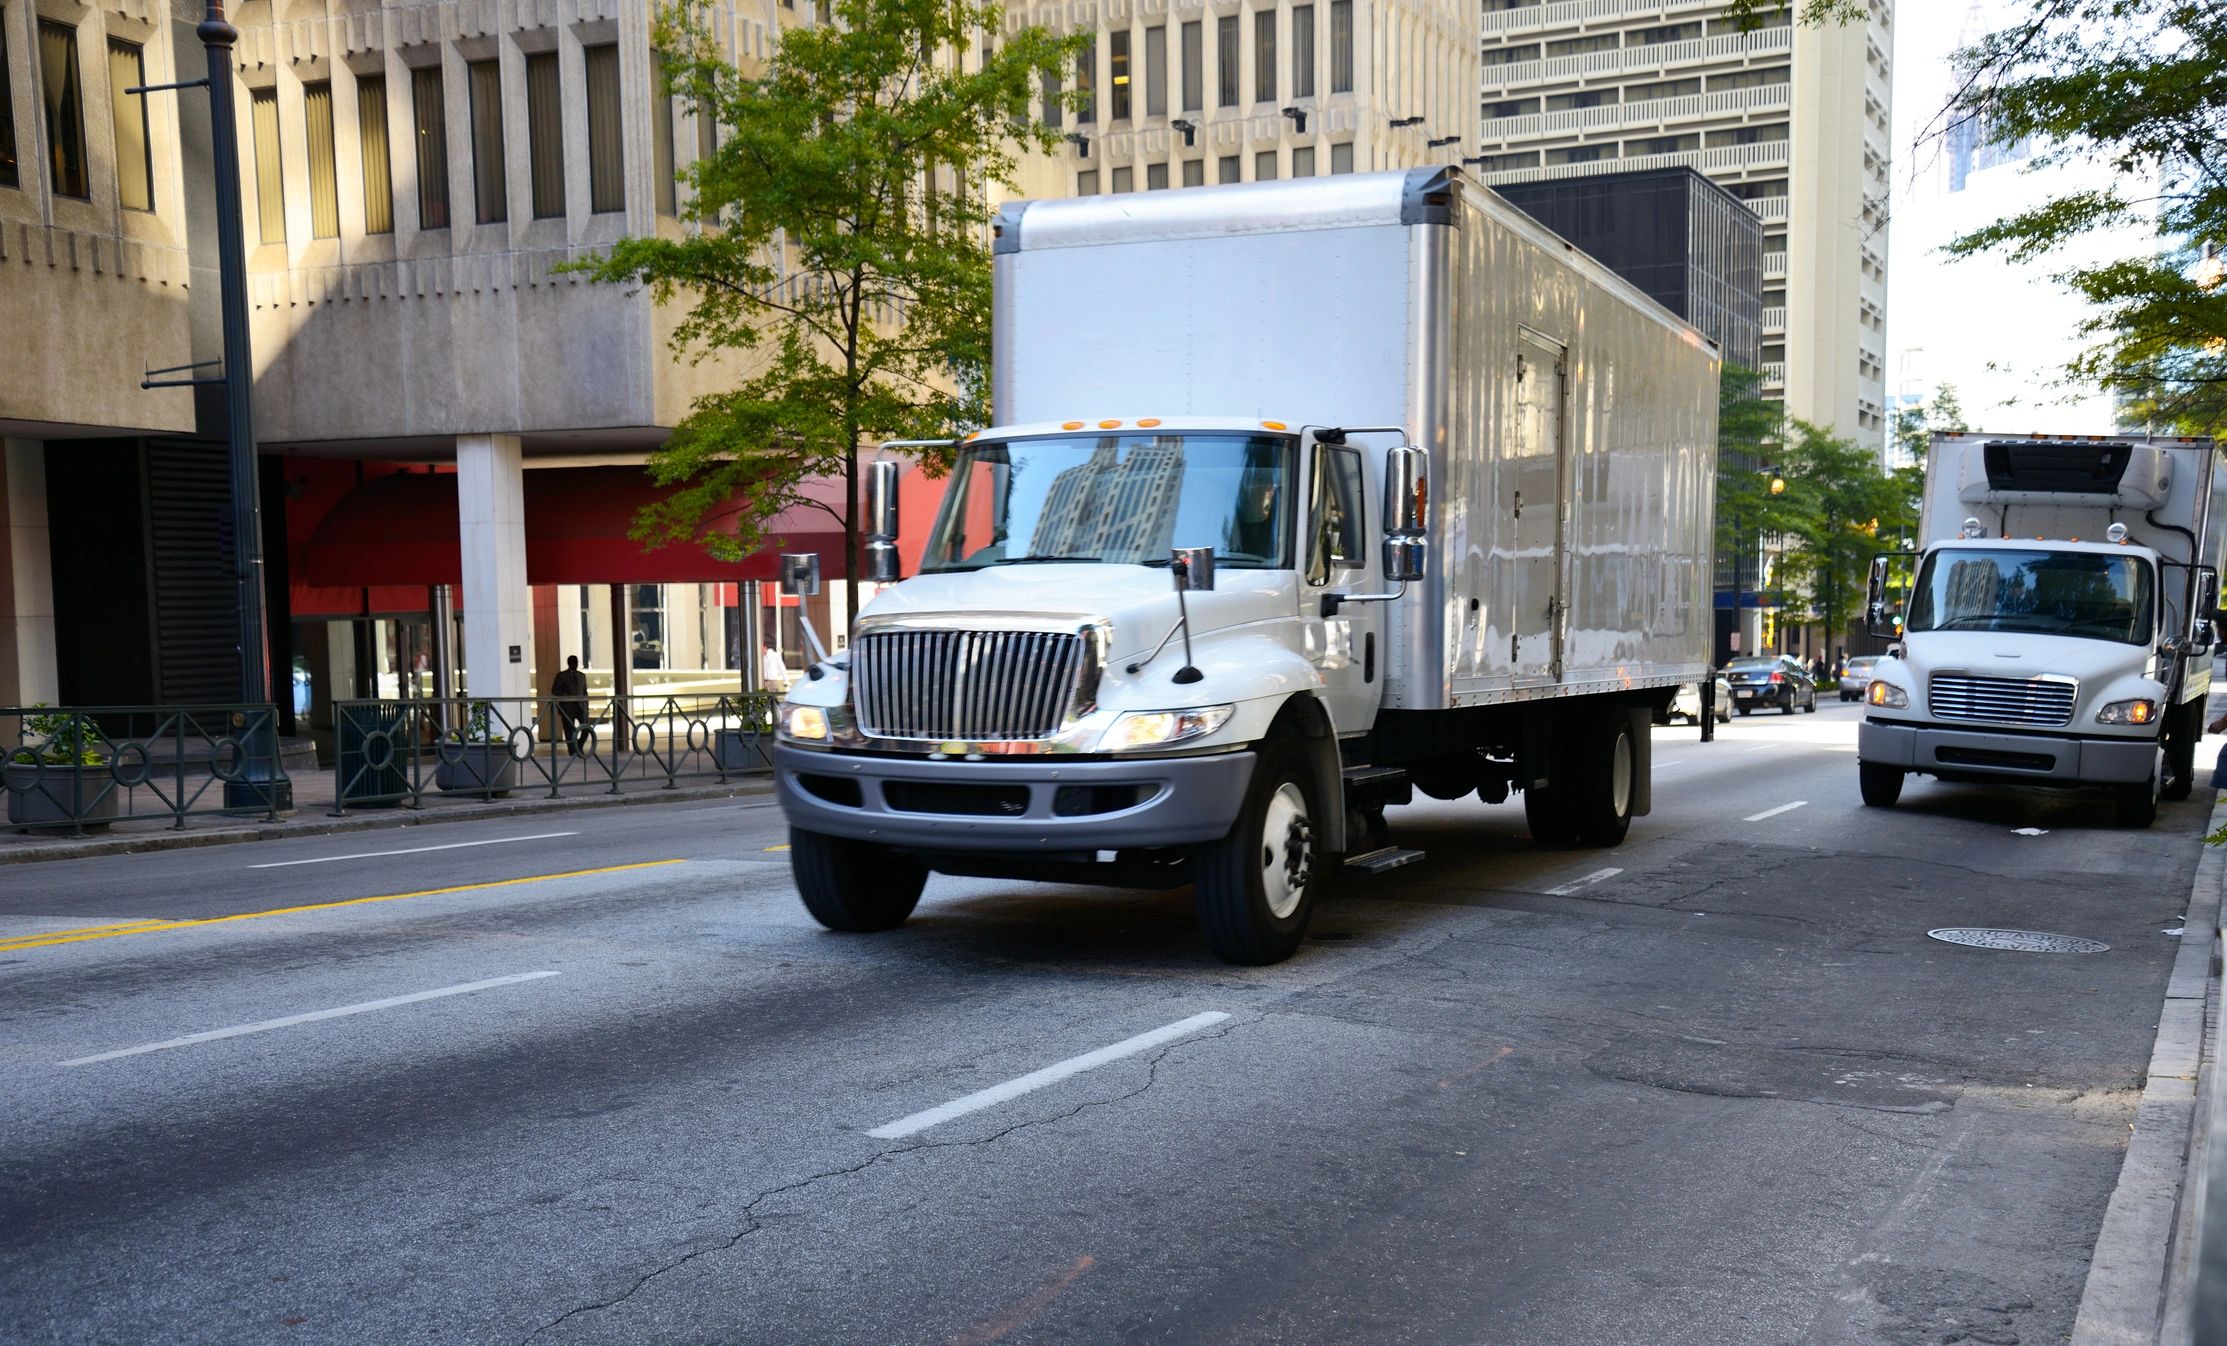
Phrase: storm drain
{"type": "Point", "coordinates": [2015, 941]}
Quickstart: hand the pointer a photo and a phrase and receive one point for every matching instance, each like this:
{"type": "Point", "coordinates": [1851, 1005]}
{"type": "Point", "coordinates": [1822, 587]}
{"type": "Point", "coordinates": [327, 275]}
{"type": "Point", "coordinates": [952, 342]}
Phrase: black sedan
{"type": "Point", "coordinates": [1770, 680]}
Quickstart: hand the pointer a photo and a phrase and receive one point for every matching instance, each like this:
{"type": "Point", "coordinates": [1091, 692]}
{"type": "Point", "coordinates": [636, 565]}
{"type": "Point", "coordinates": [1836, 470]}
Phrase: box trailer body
{"type": "Point", "coordinates": [1251, 370]}
{"type": "Point", "coordinates": [2059, 620]}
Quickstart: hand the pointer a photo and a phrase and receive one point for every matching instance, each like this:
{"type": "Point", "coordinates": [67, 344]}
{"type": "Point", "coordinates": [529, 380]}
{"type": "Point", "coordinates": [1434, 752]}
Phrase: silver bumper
{"type": "Point", "coordinates": [1015, 807]}
{"type": "Point", "coordinates": [1939, 749]}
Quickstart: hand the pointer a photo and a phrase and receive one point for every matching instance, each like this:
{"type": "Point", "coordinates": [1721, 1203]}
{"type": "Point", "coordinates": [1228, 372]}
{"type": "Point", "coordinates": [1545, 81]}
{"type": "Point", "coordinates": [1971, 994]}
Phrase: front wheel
{"type": "Point", "coordinates": [1882, 785]}
{"type": "Point", "coordinates": [856, 887]}
{"type": "Point", "coordinates": [1256, 888]}
{"type": "Point", "coordinates": [2138, 802]}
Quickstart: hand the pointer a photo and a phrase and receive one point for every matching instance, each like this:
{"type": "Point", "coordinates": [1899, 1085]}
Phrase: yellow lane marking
{"type": "Point", "coordinates": [774, 848]}
{"type": "Point", "coordinates": [102, 932]}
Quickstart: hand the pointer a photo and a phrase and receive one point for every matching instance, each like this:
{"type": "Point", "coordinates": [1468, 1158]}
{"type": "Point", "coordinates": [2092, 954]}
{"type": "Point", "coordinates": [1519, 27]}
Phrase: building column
{"type": "Point", "coordinates": [491, 528]}
{"type": "Point", "coordinates": [27, 662]}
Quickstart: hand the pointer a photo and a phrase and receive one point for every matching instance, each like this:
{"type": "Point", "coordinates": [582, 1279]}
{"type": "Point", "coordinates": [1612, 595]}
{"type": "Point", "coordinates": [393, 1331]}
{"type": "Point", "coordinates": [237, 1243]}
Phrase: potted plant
{"type": "Point", "coordinates": [742, 747]}
{"type": "Point", "coordinates": [52, 779]}
{"type": "Point", "coordinates": [471, 759]}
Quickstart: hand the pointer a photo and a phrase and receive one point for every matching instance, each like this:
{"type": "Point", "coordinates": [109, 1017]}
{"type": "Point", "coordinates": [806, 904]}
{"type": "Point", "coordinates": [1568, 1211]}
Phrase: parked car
{"type": "Point", "coordinates": [1771, 680]}
{"type": "Point", "coordinates": [1686, 705]}
{"type": "Point", "coordinates": [1855, 676]}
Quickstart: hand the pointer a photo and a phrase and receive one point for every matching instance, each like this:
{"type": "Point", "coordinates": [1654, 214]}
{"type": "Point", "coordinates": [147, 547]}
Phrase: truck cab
{"type": "Point", "coordinates": [2076, 655]}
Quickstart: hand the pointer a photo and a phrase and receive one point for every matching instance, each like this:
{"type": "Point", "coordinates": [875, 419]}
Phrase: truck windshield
{"type": "Point", "coordinates": [1119, 499]}
{"type": "Point", "coordinates": [2088, 594]}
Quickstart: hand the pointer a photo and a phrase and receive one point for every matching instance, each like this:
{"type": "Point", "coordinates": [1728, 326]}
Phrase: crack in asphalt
{"type": "Point", "coordinates": [749, 1208]}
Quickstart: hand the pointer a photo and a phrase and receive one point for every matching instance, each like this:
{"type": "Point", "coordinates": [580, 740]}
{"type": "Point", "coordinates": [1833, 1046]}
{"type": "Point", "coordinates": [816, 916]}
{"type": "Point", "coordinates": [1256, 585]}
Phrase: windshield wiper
{"type": "Point", "coordinates": [1048, 560]}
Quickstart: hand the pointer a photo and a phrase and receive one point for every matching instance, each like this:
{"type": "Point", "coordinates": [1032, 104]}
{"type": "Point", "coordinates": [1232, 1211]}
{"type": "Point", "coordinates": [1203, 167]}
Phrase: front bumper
{"type": "Point", "coordinates": [1015, 807]}
{"type": "Point", "coordinates": [1939, 750]}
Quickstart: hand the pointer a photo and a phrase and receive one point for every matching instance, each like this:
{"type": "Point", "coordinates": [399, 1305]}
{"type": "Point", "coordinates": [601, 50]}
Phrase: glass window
{"type": "Point", "coordinates": [1117, 59]}
{"type": "Point", "coordinates": [1124, 180]}
{"type": "Point", "coordinates": [10, 175]}
{"type": "Point", "coordinates": [606, 141]}
{"type": "Point", "coordinates": [1340, 537]}
{"type": "Point", "coordinates": [646, 618]}
{"type": "Point", "coordinates": [1510, 55]}
{"type": "Point", "coordinates": [1225, 61]}
{"type": "Point", "coordinates": [324, 178]}
{"type": "Point", "coordinates": [1052, 110]}
{"type": "Point", "coordinates": [61, 87]}
{"type": "Point", "coordinates": [1194, 172]}
{"type": "Point", "coordinates": [1264, 56]}
{"type": "Point", "coordinates": [1086, 83]}
{"type": "Point", "coordinates": [1155, 177]}
{"type": "Point", "coordinates": [490, 194]}
{"type": "Point", "coordinates": [1579, 46]}
{"type": "Point", "coordinates": [1341, 46]}
{"type": "Point", "coordinates": [545, 134]}
{"type": "Point", "coordinates": [135, 172]}
{"type": "Point", "coordinates": [1226, 169]}
{"type": "Point", "coordinates": [1155, 72]}
{"type": "Point", "coordinates": [432, 129]}
{"type": "Point", "coordinates": [1194, 66]}
{"type": "Point", "coordinates": [1086, 182]}
{"type": "Point", "coordinates": [1264, 166]}
{"type": "Point", "coordinates": [1302, 51]}
{"type": "Point", "coordinates": [1341, 157]}
{"type": "Point", "coordinates": [1116, 499]}
{"type": "Point", "coordinates": [270, 179]}
{"type": "Point", "coordinates": [2082, 594]}
{"type": "Point", "coordinates": [378, 166]}
{"type": "Point", "coordinates": [661, 138]}
{"type": "Point", "coordinates": [1303, 161]}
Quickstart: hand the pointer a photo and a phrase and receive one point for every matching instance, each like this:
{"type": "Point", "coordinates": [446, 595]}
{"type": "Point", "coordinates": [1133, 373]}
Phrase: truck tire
{"type": "Point", "coordinates": [1598, 811]}
{"type": "Point", "coordinates": [1544, 815]}
{"type": "Point", "coordinates": [1256, 888]}
{"type": "Point", "coordinates": [2184, 726]}
{"type": "Point", "coordinates": [1882, 785]}
{"type": "Point", "coordinates": [2138, 802]}
{"type": "Point", "coordinates": [854, 886]}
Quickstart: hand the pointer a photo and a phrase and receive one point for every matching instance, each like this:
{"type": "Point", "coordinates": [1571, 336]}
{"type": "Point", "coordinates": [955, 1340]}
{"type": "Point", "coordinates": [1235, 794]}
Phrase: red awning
{"type": "Point", "coordinates": [402, 529]}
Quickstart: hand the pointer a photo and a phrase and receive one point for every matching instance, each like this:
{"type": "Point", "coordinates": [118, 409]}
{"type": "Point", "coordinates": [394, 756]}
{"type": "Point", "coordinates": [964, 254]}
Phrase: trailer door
{"type": "Point", "coordinates": [1539, 476]}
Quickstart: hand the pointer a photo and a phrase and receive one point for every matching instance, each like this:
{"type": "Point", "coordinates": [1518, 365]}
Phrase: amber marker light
{"type": "Point", "coordinates": [1070, 425]}
{"type": "Point", "coordinates": [1275, 425]}
{"type": "Point", "coordinates": [1109, 425]}
{"type": "Point", "coordinates": [1148, 422]}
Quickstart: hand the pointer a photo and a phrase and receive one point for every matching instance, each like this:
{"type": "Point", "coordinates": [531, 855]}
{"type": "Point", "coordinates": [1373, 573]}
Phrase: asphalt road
{"type": "Point", "coordinates": [1714, 1086]}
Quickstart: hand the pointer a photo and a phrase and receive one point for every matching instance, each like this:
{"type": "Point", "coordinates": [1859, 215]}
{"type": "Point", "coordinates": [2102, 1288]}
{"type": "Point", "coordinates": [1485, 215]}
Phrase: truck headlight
{"type": "Point", "coordinates": [1157, 728]}
{"type": "Point", "coordinates": [804, 722]}
{"type": "Point", "coordinates": [2141, 710]}
{"type": "Point", "coordinates": [1888, 695]}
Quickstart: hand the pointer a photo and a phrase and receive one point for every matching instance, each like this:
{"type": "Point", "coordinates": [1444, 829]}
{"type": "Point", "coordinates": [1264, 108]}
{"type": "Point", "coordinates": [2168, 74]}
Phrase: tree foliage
{"type": "Point", "coordinates": [1846, 503]}
{"type": "Point", "coordinates": [2139, 87]}
{"type": "Point", "coordinates": [836, 237]}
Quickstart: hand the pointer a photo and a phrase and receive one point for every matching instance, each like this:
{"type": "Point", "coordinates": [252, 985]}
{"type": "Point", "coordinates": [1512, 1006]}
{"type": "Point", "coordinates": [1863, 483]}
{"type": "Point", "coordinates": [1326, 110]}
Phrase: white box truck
{"type": "Point", "coordinates": [1155, 639]}
{"type": "Point", "coordinates": [2056, 628]}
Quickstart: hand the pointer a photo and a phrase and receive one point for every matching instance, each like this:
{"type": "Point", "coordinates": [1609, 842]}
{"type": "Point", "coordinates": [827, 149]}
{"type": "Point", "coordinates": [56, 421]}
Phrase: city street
{"type": "Point", "coordinates": [598, 1078]}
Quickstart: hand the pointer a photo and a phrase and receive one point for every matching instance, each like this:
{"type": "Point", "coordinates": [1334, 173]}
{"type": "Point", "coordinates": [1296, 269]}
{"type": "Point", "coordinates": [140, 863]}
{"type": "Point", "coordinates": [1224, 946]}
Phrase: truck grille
{"type": "Point", "coordinates": [2039, 701]}
{"type": "Point", "coordinates": [965, 685]}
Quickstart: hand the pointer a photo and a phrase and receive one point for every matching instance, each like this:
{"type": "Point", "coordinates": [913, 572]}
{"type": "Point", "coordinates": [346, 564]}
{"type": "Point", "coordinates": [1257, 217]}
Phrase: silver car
{"type": "Point", "coordinates": [1856, 676]}
{"type": "Point", "coordinates": [1686, 705]}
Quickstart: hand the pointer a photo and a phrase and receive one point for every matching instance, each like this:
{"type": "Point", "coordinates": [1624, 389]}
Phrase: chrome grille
{"type": "Point", "coordinates": [2042, 701]}
{"type": "Point", "coordinates": [965, 685]}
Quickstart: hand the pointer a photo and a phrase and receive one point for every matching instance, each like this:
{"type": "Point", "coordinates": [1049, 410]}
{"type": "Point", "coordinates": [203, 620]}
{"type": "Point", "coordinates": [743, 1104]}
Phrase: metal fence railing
{"type": "Point", "coordinates": [393, 752]}
{"type": "Point", "coordinates": [85, 767]}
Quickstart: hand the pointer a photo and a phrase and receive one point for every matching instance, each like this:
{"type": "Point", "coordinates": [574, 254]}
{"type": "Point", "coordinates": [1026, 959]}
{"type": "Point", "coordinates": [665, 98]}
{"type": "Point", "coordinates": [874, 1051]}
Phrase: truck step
{"type": "Point", "coordinates": [1385, 858]}
{"type": "Point", "coordinates": [1374, 775]}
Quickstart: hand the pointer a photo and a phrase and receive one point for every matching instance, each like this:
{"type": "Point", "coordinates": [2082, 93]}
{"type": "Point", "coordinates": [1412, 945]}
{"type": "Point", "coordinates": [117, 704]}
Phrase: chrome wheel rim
{"type": "Point", "coordinates": [1620, 775]}
{"type": "Point", "coordinates": [1286, 850]}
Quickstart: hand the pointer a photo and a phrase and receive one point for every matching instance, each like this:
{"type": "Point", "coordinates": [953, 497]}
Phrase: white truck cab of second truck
{"type": "Point", "coordinates": [2057, 627]}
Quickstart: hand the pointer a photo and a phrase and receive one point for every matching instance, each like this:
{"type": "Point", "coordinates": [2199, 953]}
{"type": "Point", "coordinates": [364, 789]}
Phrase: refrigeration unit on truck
{"type": "Point", "coordinates": [2056, 628]}
{"type": "Point", "coordinates": [1157, 636]}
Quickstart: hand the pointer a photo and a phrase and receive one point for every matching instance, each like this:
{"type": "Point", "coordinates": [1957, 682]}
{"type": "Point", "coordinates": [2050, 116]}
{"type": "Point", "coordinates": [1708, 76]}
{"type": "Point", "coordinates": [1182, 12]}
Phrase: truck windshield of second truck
{"type": "Point", "coordinates": [1118, 499]}
{"type": "Point", "coordinates": [2085, 594]}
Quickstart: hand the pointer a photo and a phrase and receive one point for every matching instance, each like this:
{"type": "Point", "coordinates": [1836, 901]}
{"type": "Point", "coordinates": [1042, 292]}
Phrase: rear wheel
{"type": "Point", "coordinates": [1882, 785]}
{"type": "Point", "coordinates": [1811, 708]}
{"type": "Point", "coordinates": [1256, 888]}
{"type": "Point", "coordinates": [854, 886]}
{"type": "Point", "coordinates": [1592, 779]}
{"type": "Point", "coordinates": [1787, 707]}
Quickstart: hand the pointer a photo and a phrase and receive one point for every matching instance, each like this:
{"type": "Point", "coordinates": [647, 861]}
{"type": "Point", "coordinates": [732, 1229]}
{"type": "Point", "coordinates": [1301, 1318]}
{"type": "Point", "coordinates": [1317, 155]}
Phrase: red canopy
{"type": "Point", "coordinates": [402, 529]}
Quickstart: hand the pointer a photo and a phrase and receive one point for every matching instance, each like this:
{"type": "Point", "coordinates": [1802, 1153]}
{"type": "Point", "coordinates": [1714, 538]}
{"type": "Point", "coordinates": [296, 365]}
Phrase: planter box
{"type": "Point", "coordinates": [53, 796]}
{"type": "Point", "coordinates": [475, 768]}
{"type": "Point", "coordinates": [739, 750]}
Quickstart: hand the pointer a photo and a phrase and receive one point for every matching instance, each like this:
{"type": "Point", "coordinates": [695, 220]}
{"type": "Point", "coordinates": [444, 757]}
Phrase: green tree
{"type": "Point", "coordinates": [1845, 504]}
{"type": "Point", "coordinates": [837, 241]}
{"type": "Point", "coordinates": [1749, 430]}
{"type": "Point", "coordinates": [2135, 86]}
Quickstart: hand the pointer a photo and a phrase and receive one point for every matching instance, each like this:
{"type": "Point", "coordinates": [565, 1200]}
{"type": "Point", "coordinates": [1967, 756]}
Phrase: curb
{"type": "Point", "coordinates": [2141, 1253]}
{"type": "Point", "coordinates": [34, 853]}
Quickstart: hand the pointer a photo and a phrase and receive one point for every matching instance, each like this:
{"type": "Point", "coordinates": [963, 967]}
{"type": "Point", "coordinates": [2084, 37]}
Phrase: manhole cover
{"type": "Point", "coordinates": [2016, 941]}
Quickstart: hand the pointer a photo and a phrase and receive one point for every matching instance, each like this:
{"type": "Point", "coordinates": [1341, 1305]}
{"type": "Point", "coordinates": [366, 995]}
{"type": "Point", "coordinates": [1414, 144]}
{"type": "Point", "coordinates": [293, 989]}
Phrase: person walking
{"type": "Point", "coordinates": [570, 691]}
{"type": "Point", "coordinates": [773, 670]}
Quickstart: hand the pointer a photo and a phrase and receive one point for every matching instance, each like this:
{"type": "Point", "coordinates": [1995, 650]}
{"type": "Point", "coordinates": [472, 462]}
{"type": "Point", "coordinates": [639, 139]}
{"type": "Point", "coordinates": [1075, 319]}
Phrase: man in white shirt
{"type": "Point", "coordinates": [773, 672]}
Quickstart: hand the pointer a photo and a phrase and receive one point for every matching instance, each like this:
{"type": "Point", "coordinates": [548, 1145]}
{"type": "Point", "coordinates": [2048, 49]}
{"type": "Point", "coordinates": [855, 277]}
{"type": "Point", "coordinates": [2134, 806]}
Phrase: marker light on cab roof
{"type": "Point", "coordinates": [1070, 425]}
{"type": "Point", "coordinates": [1275, 425]}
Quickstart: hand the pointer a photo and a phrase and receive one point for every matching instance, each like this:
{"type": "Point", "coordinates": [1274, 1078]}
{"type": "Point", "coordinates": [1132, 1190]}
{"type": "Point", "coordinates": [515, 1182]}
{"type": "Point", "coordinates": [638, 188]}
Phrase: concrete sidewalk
{"type": "Point", "coordinates": [313, 814]}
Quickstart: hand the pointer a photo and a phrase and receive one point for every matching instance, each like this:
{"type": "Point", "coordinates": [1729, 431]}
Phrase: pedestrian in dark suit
{"type": "Point", "coordinates": [571, 693]}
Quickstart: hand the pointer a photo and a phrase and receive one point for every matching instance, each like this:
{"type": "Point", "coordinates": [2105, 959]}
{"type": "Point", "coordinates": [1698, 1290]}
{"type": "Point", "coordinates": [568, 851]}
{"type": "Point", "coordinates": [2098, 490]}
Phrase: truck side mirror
{"type": "Point", "coordinates": [1193, 568]}
{"type": "Point", "coordinates": [1881, 616]}
{"type": "Point", "coordinates": [882, 562]}
{"type": "Point", "coordinates": [1407, 513]}
{"type": "Point", "coordinates": [800, 574]}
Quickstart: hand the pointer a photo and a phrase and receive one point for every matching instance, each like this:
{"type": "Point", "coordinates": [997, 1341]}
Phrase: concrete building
{"type": "Point", "coordinates": [1791, 119]}
{"type": "Point", "coordinates": [1188, 94]}
{"type": "Point", "coordinates": [436, 404]}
